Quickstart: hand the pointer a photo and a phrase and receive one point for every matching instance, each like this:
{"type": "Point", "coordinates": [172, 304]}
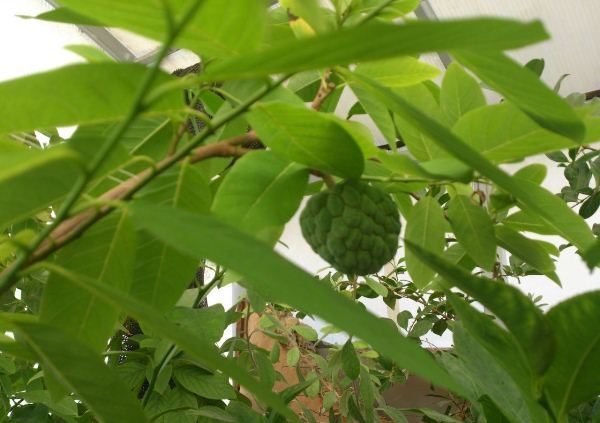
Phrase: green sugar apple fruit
{"type": "Point", "coordinates": [353, 226]}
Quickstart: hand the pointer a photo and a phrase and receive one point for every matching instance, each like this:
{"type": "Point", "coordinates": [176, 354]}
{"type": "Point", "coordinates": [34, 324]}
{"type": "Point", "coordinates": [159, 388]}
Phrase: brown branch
{"type": "Point", "coordinates": [74, 226]}
{"type": "Point", "coordinates": [325, 90]}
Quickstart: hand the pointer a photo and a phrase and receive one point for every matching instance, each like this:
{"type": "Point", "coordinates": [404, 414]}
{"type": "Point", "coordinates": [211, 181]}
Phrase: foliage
{"type": "Point", "coordinates": [109, 238]}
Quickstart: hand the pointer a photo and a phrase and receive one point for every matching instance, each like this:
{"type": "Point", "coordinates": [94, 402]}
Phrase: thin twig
{"type": "Point", "coordinates": [325, 89]}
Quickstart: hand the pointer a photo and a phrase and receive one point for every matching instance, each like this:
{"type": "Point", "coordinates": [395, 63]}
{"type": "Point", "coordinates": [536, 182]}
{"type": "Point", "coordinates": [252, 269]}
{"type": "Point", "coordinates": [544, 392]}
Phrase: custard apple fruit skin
{"type": "Point", "coordinates": [353, 226]}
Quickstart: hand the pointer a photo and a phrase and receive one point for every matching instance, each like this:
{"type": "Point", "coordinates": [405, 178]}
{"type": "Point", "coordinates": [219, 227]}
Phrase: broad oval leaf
{"type": "Point", "coordinates": [161, 273]}
{"type": "Point", "coordinates": [308, 137]}
{"type": "Point", "coordinates": [75, 96]}
{"type": "Point", "coordinates": [350, 362]}
{"type": "Point", "coordinates": [425, 227]}
{"type": "Point", "coordinates": [208, 386]}
{"type": "Point", "coordinates": [74, 365]}
{"type": "Point", "coordinates": [261, 190]}
{"type": "Point", "coordinates": [105, 253]}
{"type": "Point", "coordinates": [503, 133]}
{"type": "Point", "coordinates": [573, 376]}
{"type": "Point", "coordinates": [460, 93]}
{"type": "Point", "coordinates": [524, 89]}
{"type": "Point", "coordinates": [474, 230]}
{"type": "Point", "coordinates": [262, 268]}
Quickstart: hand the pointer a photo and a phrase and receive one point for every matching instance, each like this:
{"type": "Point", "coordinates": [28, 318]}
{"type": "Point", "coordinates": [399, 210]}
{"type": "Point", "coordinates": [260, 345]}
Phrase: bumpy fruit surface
{"type": "Point", "coordinates": [353, 226]}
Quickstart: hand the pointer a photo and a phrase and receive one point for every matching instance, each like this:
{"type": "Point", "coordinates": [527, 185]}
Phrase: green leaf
{"type": "Point", "coordinates": [377, 287]}
{"type": "Point", "coordinates": [64, 15]}
{"type": "Point", "coordinates": [535, 172]}
{"type": "Point", "coordinates": [214, 30]}
{"type": "Point", "coordinates": [492, 413]}
{"type": "Point", "coordinates": [161, 272]}
{"type": "Point", "coordinates": [425, 227]}
{"type": "Point", "coordinates": [501, 345]}
{"type": "Point", "coordinates": [306, 332]}
{"type": "Point", "coordinates": [590, 206]}
{"type": "Point", "coordinates": [65, 407]}
{"type": "Point", "coordinates": [379, 113]}
{"type": "Point", "coordinates": [536, 66]}
{"type": "Point", "coordinates": [392, 40]}
{"type": "Point", "coordinates": [293, 356]}
{"type": "Point", "coordinates": [551, 210]}
{"type": "Point", "coordinates": [193, 342]}
{"type": "Point", "coordinates": [75, 100]}
{"type": "Point", "coordinates": [207, 386]}
{"type": "Point", "coordinates": [307, 137]}
{"type": "Point", "coordinates": [23, 171]}
{"type": "Point", "coordinates": [503, 133]}
{"type": "Point", "coordinates": [524, 89]}
{"type": "Point", "coordinates": [367, 394]}
{"type": "Point", "coordinates": [460, 93]}
{"type": "Point", "coordinates": [474, 230]}
{"type": "Point", "coordinates": [571, 379]}
{"type": "Point", "coordinates": [432, 414]}
{"type": "Point", "coordinates": [522, 221]}
{"type": "Point", "coordinates": [106, 254]}
{"type": "Point", "coordinates": [261, 190]}
{"type": "Point", "coordinates": [528, 250]}
{"type": "Point", "coordinates": [350, 362]}
{"type": "Point", "coordinates": [493, 381]}
{"type": "Point", "coordinates": [399, 71]}
{"type": "Point", "coordinates": [397, 416]}
{"type": "Point", "coordinates": [261, 270]}
{"type": "Point", "coordinates": [522, 318]}
{"type": "Point", "coordinates": [172, 406]}
{"type": "Point", "coordinates": [210, 319]}
{"type": "Point", "coordinates": [73, 364]}
{"type": "Point", "coordinates": [417, 141]}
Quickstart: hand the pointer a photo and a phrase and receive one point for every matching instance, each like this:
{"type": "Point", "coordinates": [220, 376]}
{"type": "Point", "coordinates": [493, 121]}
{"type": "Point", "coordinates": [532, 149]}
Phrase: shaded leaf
{"type": "Point", "coordinates": [460, 93]}
{"type": "Point", "coordinates": [73, 364]}
{"type": "Point", "coordinates": [425, 227]}
{"type": "Point", "coordinates": [571, 379]}
{"type": "Point", "coordinates": [524, 89]}
{"type": "Point", "coordinates": [473, 229]}
{"type": "Point", "coordinates": [261, 190]}
{"type": "Point", "coordinates": [106, 254]}
{"type": "Point", "coordinates": [75, 99]}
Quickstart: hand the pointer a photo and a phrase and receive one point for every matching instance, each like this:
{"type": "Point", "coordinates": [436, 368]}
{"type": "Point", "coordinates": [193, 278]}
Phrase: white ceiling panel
{"type": "Point", "coordinates": [574, 48]}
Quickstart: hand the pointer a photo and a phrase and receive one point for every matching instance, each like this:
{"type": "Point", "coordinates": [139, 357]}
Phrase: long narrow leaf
{"type": "Point", "coordinates": [279, 280]}
{"type": "Point", "coordinates": [379, 41]}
